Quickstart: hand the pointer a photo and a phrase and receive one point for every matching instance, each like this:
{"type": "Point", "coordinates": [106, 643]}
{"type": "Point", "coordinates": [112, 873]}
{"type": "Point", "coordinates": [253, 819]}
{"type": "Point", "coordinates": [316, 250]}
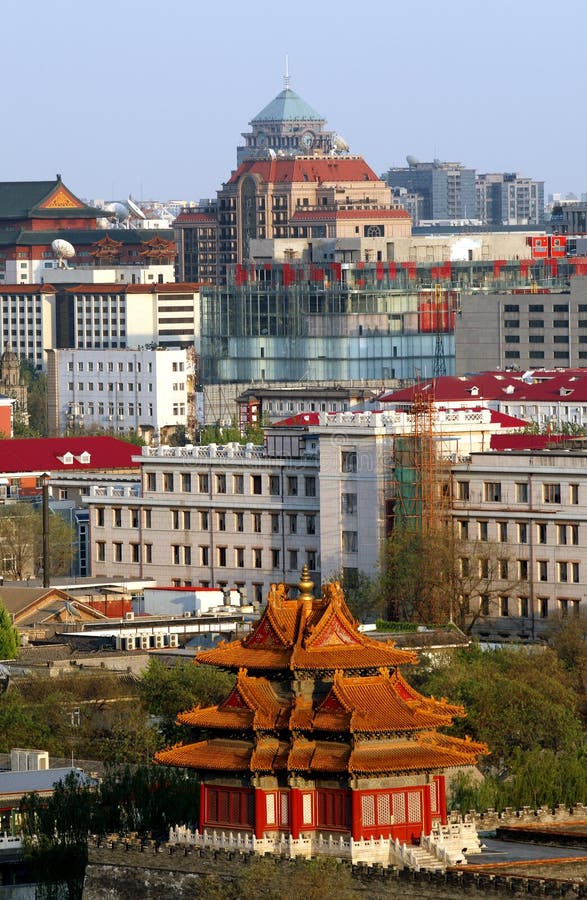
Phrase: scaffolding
{"type": "Point", "coordinates": [422, 471]}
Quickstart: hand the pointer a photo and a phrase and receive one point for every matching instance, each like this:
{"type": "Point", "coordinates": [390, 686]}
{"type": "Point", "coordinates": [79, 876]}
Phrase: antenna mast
{"type": "Point", "coordinates": [286, 77]}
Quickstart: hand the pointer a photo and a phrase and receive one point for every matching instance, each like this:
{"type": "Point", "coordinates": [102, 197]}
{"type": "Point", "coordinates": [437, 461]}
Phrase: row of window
{"type": "Point", "coordinates": [566, 572]}
{"type": "Point", "coordinates": [182, 555]}
{"type": "Point", "coordinates": [185, 519]}
{"type": "Point", "coordinates": [220, 481]}
{"type": "Point", "coordinates": [494, 493]}
{"type": "Point", "coordinates": [119, 386]}
{"type": "Point", "coordinates": [566, 532]}
{"type": "Point", "coordinates": [520, 606]}
{"type": "Point", "coordinates": [81, 408]}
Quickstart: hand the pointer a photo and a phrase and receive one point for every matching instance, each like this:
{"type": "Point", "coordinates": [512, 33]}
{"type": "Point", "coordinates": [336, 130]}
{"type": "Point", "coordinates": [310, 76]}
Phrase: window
{"type": "Point", "coordinates": [483, 568]}
{"type": "Point", "coordinates": [148, 553]}
{"type": "Point", "coordinates": [117, 517]}
{"type": "Point", "coordinates": [350, 541]}
{"type": "Point", "coordinates": [503, 568]}
{"type": "Point", "coordinates": [310, 485]}
{"type": "Point", "coordinates": [551, 493]}
{"type": "Point", "coordinates": [311, 559]}
{"type": "Point", "coordinates": [274, 485]}
{"type": "Point", "coordinates": [348, 504]}
{"type": "Point", "coordinates": [523, 607]}
{"type": "Point", "coordinates": [492, 491]}
{"type": "Point", "coordinates": [221, 521]}
{"type": "Point", "coordinates": [204, 520]}
{"type": "Point", "coordinates": [311, 524]}
{"type": "Point", "coordinates": [293, 560]}
{"type": "Point", "coordinates": [522, 532]}
{"type": "Point", "coordinates": [117, 551]}
{"type": "Point", "coordinates": [348, 461]}
{"type": "Point", "coordinates": [512, 339]}
{"type": "Point", "coordinates": [504, 606]}
{"type": "Point", "coordinates": [523, 570]}
{"type": "Point", "coordinates": [274, 523]}
{"type": "Point", "coordinates": [292, 485]}
{"type": "Point", "coordinates": [204, 555]}
{"type": "Point", "coordinates": [257, 557]}
{"type": "Point", "coordinates": [465, 566]}
{"type": "Point", "coordinates": [100, 516]}
{"type": "Point", "coordinates": [502, 532]}
{"type": "Point", "coordinates": [239, 557]}
{"type": "Point", "coordinates": [238, 484]}
{"type": "Point", "coordinates": [256, 484]}
{"type": "Point", "coordinates": [203, 483]}
{"type": "Point", "coordinates": [574, 493]}
{"type": "Point", "coordinates": [147, 518]}
{"type": "Point", "coordinates": [536, 307]}
{"type": "Point", "coordinates": [135, 553]}
{"type": "Point", "coordinates": [482, 531]}
{"type": "Point", "coordinates": [221, 483]}
{"type": "Point", "coordinates": [168, 481]}
{"type": "Point", "coordinates": [543, 570]}
{"type": "Point", "coordinates": [275, 558]}
{"type": "Point", "coordinates": [222, 557]}
{"type": "Point", "coordinates": [239, 521]}
{"type": "Point", "coordinates": [484, 605]}
{"type": "Point", "coordinates": [256, 517]}
{"type": "Point", "coordinates": [186, 482]}
{"type": "Point", "coordinates": [101, 551]}
{"type": "Point", "coordinates": [463, 529]}
{"type": "Point", "coordinates": [292, 523]}
{"type": "Point", "coordinates": [511, 307]}
{"type": "Point", "coordinates": [541, 533]}
{"type": "Point", "coordinates": [575, 572]}
{"type": "Point", "coordinates": [543, 607]}
{"type": "Point", "coordinates": [176, 554]}
{"type": "Point", "coordinates": [463, 490]}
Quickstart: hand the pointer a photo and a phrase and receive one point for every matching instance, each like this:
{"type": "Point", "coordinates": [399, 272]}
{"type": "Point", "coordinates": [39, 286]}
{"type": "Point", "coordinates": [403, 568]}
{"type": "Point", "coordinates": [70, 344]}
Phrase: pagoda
{"type": "Point", "coordinates": [321, 737]}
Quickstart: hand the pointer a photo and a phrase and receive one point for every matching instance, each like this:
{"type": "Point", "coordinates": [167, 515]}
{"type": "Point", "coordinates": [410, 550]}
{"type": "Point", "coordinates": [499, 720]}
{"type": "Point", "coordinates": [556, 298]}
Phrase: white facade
{"type": "Point", "coordinates": [146, 391]}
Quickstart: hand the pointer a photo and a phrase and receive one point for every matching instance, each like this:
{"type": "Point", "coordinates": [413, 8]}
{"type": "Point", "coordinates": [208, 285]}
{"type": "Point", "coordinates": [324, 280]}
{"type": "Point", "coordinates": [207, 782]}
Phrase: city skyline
{"type": "Point", "coordinates": [154, 104]}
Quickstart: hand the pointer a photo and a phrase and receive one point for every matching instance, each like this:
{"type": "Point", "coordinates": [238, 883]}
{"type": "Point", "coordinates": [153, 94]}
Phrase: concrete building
{"type": "Point", "coordinates": [506, 198]}
{"type": "Point", "coordinates": [196, 236]}
{"type": "Point", "coordinates": [523, 330]}
{"type": "Point", "coordinates": [246, 517]}
{"type": "Point", "coordinates": [149, 392]}
{"type": "Point", "coordinates": [447, 189]}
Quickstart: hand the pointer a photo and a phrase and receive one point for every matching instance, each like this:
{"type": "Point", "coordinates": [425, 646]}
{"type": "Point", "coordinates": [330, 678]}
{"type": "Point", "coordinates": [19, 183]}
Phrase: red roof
{"type": "Point", "coordinates": [311, 418]}
{"type": "Point", "coordinates": [43, 454]}
{"type": "Point", "coordinates": [196, 218]}
{"type": "Point", "coordinates": [544, 386]}
{"type": "Point", "coordinates": [527, 441]}
{"type": "Point", "coordinates": [355, 213]}
{"type": "Point", "coordinates": [304, 169]}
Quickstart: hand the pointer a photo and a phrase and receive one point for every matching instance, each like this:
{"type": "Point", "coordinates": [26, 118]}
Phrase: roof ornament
{"type": "Point", "coordinates": [305, 585]}
{"type": "Point", "coordinates": [286, 76]}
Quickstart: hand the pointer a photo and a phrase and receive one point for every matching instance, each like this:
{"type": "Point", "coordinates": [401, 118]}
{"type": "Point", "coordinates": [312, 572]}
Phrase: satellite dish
{"type": "Point", "coordinates": [412, 160]}
{"type": "Point", "coordinates": [64, 251]}
{"type": "Point", "coordinates": [118, 211]}
{"type": "Point", "coordinates": [340, 144]}
{"type": "Point", "coordinates": [135, 210]}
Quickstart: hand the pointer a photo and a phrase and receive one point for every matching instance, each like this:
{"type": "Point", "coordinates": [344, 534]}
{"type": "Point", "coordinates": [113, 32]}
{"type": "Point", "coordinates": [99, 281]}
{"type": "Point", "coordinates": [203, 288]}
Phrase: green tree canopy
{"type": "Point", "coordinates": [21, 541]}
{"type": "Point", "coordinates": [9, 636]}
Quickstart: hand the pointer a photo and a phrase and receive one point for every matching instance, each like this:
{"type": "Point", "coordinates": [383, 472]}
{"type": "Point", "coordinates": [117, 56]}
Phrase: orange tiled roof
{"type": "Point", "coordinates": [318, 756]}
{"type": "Point", "coordinates": [252, 703]}
{"type": "Point", "coordinates": [425, 752]}
{"type": "Point", "coordinates": [315, 634]}
{"type": "Point", "coordinates": [218, 755]}
{"type": "Point", "coordinates": [269, 755]}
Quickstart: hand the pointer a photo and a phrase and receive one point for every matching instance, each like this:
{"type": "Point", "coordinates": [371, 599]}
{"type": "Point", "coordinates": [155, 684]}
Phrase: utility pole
{"type": "Point", "coordinates": [45, 486]}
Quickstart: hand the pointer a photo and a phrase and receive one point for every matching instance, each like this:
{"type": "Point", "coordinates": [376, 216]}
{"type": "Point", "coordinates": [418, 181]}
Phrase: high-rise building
{"type": "Point", "coordinates": [447, 189]}
{"type": "Point", "coordinates": [506, 198]}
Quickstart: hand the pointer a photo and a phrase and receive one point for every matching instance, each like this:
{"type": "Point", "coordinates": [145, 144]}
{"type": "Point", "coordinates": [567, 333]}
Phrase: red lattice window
{"type": "Point", "coordinates": [334, 809]}
{"type": "Point", "coordinates": [230, 806]}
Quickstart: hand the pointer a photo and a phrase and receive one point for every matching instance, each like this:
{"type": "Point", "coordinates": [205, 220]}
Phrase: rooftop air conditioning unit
{"type": "Point", "coordinates": [129, 616]}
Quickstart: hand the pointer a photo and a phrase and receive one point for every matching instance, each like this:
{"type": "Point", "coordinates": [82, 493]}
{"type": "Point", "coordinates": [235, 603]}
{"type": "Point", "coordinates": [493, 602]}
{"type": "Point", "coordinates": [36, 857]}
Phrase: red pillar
{"type": "Point", "coordinates": [356, 824]}
{"type": "Point", "coordinates": [442, 798]}
{"type": "Point", "coordinates": [202, 816]}
{"type": "Point", "coordinates": [260, 806]}
{"type": "Point", "coordinates": [426, 810]}
{"type": "Point", "coordinates": [295, 812]}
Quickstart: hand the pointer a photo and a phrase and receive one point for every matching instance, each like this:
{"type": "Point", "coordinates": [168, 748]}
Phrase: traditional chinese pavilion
{"type": "Point", "coordinates": [321, 734]}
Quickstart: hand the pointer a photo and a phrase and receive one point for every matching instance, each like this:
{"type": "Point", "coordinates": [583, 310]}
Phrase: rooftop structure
{"type": "Point", "coordinates": [321, 734]}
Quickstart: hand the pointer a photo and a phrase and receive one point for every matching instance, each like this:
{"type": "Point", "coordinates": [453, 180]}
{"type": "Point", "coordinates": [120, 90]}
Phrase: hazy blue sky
{"type": "Point", "coordinates": [151, 96]}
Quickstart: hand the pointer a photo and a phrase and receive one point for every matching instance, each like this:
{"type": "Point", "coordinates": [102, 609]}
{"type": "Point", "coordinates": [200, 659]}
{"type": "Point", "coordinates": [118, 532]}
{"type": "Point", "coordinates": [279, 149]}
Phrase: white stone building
{"type": "Point", "coordinates": [150, 392]}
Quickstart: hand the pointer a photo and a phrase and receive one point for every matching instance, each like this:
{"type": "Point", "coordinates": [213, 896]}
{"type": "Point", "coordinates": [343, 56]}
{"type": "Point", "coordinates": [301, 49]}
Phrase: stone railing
{"type": "Point", "coordinates": [543, 815]}
{"type": "Point", "coordinates": [10, 842]}
{"type": "Point", "coordinates": [232, 450]}
{"type": "Point", "coordinates": [451, 842]}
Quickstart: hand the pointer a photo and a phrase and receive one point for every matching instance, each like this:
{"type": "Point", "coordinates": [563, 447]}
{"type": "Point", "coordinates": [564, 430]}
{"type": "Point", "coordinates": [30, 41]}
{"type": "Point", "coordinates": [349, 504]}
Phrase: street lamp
{"type": "Point", "coordinates": [44, 479]}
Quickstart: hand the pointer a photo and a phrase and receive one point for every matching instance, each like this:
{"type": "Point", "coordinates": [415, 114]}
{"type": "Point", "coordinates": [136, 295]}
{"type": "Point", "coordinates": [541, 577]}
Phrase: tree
{"type": "Point", "coordinates": [21, 541]}
{"type": "Point", "coordinates": [9, 636]}
{"type": "Point", "coordinates": [432, 576]}
{"type": "Point", "coordinates": [36, 383]}
{"type": "Point", "coordinates": [361, 594]}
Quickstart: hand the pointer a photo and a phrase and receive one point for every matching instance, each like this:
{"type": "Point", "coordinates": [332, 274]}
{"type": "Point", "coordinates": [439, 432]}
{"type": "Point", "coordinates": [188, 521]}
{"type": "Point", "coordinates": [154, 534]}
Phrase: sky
{"type": "Point", "coordinates": [150, 97]}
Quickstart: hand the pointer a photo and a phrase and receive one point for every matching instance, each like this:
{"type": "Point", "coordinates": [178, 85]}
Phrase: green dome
{"type": "Point", "coordinates": [287, 107]}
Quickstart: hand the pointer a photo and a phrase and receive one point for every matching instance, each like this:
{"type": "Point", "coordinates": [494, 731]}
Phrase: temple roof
{"type": "Point", "coordinates": [426, 752]}
{"type": "Point", "coordinates": [307, 633]}
{"type": "Point", "coordinates": [318, 170]}
{"type": "Point", "coordinates": [287, 107]}
{"type": "Point", "coordinates": [252, 704]}
{"type": "Point", "coordinates": [39, 199]}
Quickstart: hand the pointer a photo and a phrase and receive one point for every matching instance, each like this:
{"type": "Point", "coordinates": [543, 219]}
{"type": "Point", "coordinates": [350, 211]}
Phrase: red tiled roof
{"type": "Point", "coordinates": [42, 454]}
{"type": "Point", "coordinates": [301, 214]}
{"type": "Point", "coordinates": [528, 441]}
{"type": "Point", "coordinates": [196, 218]}
{"type": "Point", "coordinates": [538, 387]}
{"type": "Point", "coordinates": [304, 169]}
{"type": "Point", "coordinates": [173, 287]}
{"type": "Point", "coordinates": [311, 418]}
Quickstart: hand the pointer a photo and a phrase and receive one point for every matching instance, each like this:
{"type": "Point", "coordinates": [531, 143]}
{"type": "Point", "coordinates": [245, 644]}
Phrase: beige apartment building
{"type": "Point", "coordinates": [531, 507]}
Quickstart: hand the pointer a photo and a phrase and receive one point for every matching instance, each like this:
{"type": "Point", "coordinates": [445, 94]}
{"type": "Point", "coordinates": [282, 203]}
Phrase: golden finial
{"type": "Point", "coordinates": [305, 585]}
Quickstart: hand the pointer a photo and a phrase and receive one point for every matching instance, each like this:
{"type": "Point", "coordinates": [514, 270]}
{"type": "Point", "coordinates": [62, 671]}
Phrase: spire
{"type": "Point", "coordinates": [305, 585]}
{"type": "Point", "coordinates": [286, 76]}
